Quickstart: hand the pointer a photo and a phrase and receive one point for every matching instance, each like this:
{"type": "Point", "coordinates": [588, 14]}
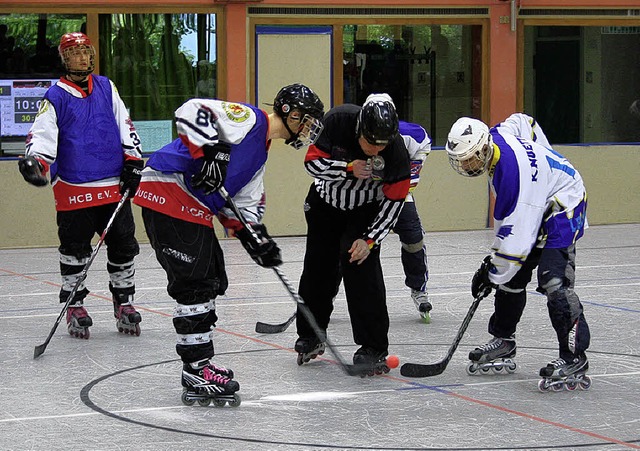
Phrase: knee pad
{"type": "Point", "coordinates": [413, 248]}
{"type": "Point", "coordinates": [122, 253]}
{"type": "Point", "coordinates": [194, 318]}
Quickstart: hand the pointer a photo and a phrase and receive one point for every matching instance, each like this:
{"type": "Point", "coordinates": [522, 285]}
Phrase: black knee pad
{"type": "Point", "coordinates": [195, 324]}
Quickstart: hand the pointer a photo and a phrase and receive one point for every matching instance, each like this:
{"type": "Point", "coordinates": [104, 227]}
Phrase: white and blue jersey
{"type": "Point", "coordinates": [418, 144]}
{"type": "Point", "coordinates": [166, 180]}
{"type": "Point", "coordinates": [540, 199]}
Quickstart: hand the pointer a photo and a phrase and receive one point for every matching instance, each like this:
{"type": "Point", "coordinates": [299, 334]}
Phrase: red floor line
{"type": "Point", "coordinates": [457, 395]}
{"type": "Point", "coordinates": [542, 420]}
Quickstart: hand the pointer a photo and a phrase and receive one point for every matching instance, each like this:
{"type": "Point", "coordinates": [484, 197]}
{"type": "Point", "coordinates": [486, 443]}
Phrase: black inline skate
{"type": "Point", "coordinates": [421, 300]}
{"type": "Point", "coordinates": [308, 348]}
{"type": "Point", "coordinates": [208, 383]}
{"type": "Point", "coordinates": [559, 374]}
{"type": "Point", "coordinates": [127, 318]}
{"type": "Point", "coordinates": [497, 355]}
{"type": "Point", "coordinates": [370, 361]}
{"type": "Point", "coordinates": [78, 321]}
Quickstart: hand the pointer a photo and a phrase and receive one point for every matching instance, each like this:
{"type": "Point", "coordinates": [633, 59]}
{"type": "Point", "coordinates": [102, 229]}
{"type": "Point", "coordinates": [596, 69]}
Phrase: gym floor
{"type": "Point", "coordinates": [117, 391]}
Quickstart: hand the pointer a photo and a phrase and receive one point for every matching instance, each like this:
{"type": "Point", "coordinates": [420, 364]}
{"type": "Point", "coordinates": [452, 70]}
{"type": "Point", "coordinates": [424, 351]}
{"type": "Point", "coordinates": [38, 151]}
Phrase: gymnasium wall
{"type": "Point", "coordinates": [446, 200]}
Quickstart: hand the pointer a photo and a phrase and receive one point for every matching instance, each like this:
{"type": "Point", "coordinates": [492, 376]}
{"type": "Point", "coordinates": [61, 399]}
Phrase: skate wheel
{"type": "Point", "coordinates": [497, 369]}
{"type": "Point", "coordinates": [219, 402]}
{"type": "Point", "coordinates": [186, 400]}
{"type": "Point", "coordinates": [121, 330]}
{"type": "Point", "coordinates": [511, 367]}
{"type": "Point", "coordinates": [137, 331]}
{"type": "Point", "coordinates": [386, 369]}
{"type": "Point", "coordinates": [543, 385]}
{"type": "Point", "coordinates": [236, 401]}
{"type": "Point", "coordinates": [426, 318]}
{"type": "Point", "coordinates": [204, 402]}
{"type": "Point", "coordinates": [585, 383]}
{"type": "Point", "coordinates": [571, 385]}
{"type": "Point", "coordinates": [485, 370]}
{"type": "Point", "coordinates": [558, 386]}
{"type": "Point", "coordinates": [300, 359]}
{"type": "Point", "coordinates": [471, 369]}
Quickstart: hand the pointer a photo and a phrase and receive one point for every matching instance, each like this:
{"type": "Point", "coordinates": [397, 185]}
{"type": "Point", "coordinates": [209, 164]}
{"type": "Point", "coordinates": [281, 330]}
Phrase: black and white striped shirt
{"type": "Point", "coordinates": [328, 162]}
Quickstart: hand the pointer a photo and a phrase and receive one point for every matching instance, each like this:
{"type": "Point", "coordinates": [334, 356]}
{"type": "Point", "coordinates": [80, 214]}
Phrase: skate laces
{"type": "Point", "coordinates": [209, 374]}
{"type": "Point", "coordinates": [77, 312]}
{"type": "Point", "coordinates": [492, 345]}
{"type": "Point", "coordinates": [557, 363]}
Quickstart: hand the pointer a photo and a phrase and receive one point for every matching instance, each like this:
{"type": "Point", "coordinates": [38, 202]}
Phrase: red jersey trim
{"type": "Point", "coordinates": [397, 190]}
{"type": "Point", "coordinates": [314, 153]}
{"type": "Point", "coordinates": [169, 199]}
{"type": "Point", "coordinates": [74, 197]}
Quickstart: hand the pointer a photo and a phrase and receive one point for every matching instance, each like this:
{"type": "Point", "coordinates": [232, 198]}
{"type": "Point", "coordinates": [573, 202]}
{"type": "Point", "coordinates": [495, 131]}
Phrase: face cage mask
{"type": "Point", "coordinates": [482, 156]}
{"type": "Point", "coordinates": [309, 131]}
{"type": "Point", "coordinates": [84, 50]}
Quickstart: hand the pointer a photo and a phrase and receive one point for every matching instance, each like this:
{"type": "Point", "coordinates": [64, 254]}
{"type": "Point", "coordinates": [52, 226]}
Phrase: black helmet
{"type": "Point", "coordinates": [378, 120]}
{"type": "Point", "coordinates": [301, 98]}
{"type": "Point", "coordinates": [298, 96]}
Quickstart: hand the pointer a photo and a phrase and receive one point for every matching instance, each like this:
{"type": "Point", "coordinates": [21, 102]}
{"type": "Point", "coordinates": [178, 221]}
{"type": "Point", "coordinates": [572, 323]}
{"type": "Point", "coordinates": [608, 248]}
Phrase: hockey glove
{"type": "Point", "coordinates": [214, 168]}
{"type": "Point", "coordinates": [32, 171]}
{"type": "Point", "coordinates": [130, 176]}
{"type": "Point", "coordinates": [480, 284]}
{"type": "Point", "coordinates": [266, 253]}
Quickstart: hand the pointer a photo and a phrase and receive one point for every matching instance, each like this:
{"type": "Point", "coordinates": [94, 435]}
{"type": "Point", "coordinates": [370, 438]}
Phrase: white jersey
{"type": "Point", "coordinates": [540, 198]}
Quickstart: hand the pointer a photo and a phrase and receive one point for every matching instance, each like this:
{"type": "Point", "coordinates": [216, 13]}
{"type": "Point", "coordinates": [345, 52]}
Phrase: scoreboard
{"type": "Point", "coordinates": [19, 104]}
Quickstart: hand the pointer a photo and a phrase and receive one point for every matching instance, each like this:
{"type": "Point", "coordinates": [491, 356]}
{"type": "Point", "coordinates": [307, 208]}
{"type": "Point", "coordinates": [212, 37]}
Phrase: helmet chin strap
{"type": "Point", "coordinates": [292, 136]}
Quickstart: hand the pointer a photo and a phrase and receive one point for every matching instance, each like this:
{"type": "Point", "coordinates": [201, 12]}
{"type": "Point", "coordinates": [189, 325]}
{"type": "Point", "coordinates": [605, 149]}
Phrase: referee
{"type": "Point", "coordinates": [361, 176]}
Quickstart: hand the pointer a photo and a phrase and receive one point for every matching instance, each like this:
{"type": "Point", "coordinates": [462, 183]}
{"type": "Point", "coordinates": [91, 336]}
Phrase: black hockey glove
{"type": "Point", "coordinates": [214, 168]}
{"type": "Point", "coordinates": [32, 171]}
{"type": "Point", "coordinates": [266, 253]}
{"type": "Point", "coordinates": [480, 284]}
{"type": "Point", "coordinates": [130, 176]}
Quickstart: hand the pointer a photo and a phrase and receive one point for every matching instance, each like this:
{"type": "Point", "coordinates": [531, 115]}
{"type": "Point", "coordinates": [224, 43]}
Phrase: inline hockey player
{"type": "Point", "coordinates": [220, 144]}
{"type": "Point", "coordinates": [413, 253]}
{"type": "Point", "coordinates": [84, 137]}
{"type": "Point", "coordinates": [540, 213]}
{"type": "Point", "coordinates": [361, 176]}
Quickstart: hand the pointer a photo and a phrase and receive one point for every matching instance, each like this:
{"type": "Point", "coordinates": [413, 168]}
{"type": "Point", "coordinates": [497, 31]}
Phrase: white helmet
{"type": "Point", "coordinates": [469, 146]}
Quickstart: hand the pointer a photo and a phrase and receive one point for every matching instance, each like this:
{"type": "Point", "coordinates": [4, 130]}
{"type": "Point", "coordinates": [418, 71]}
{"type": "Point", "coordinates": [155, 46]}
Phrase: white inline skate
{"type": "Point", "coordinates": [421, 300]}
{"type": "Point", "coordinates": [560, 374]}
{"type": "Point", "coordinates": [496, 356]}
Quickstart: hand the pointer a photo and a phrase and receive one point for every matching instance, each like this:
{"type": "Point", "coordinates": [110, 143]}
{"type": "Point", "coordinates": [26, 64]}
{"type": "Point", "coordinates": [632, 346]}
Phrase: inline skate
{"type": "Point", "coordinates": [559, 374]}
{"type": "Point", "coordinates": [127, 318]}
{"type": "Point", "coordinates": [78, 321]}
{"type": "Point", "coordinates": [208, 383]}
{"type": "Point", "coordinates": [421, 300]}
{"type": "Point", "coordinates": [497, 355]}
{"type": "Point", "coordinates": [308, 348]}
{"type": "Point", "coordinates": [370, 361]}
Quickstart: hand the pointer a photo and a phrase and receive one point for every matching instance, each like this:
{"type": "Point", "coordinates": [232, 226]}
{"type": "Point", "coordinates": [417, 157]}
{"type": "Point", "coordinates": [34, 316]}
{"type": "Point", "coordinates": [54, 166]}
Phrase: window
{"type": "Point", "coordinates": [580, 82]}
{"type": "Point", "coordinates": [432, 72]}
{"type": "Point", "coordinates": [158, 61]}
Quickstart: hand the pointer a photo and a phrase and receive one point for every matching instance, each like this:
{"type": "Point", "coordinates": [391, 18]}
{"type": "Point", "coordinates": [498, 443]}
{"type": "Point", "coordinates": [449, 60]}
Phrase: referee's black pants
{"type": "Point", "coordinates": [330, 234]}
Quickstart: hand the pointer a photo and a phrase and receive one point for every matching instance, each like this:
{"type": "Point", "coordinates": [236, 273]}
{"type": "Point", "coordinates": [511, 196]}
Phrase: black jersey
{"type": "Point", "coordinates": [327, 161]}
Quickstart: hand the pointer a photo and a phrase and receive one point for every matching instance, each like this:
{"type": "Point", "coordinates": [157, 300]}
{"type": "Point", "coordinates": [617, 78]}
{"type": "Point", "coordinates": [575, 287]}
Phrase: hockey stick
{"type": "Point", "coordinates": [265, 328]}
{"type": "Point", "coordinates": [433, 369]}
{"type": "Point", "coordinates": [39, 350]}
{"type": "Point", "coordinates": [351, 370]}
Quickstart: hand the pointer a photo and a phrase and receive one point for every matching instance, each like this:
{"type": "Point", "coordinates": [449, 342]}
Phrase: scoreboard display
{"type": "Point", "coordinates": [19, 104]}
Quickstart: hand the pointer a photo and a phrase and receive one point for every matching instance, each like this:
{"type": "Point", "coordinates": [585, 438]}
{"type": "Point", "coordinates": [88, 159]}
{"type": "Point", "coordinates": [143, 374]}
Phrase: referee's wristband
{"type": "Point", "coordinates": [370, 243]}
{"type": "Point", "coordinates": [349, 166]}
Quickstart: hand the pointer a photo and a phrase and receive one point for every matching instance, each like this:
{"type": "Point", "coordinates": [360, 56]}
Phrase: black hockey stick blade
{"type": "Point", "coordinates": [265, 328]}
{"type": "Point", "coordinates": [39, 350]}
{"type": "Point", "coordinates": [433, 369]}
